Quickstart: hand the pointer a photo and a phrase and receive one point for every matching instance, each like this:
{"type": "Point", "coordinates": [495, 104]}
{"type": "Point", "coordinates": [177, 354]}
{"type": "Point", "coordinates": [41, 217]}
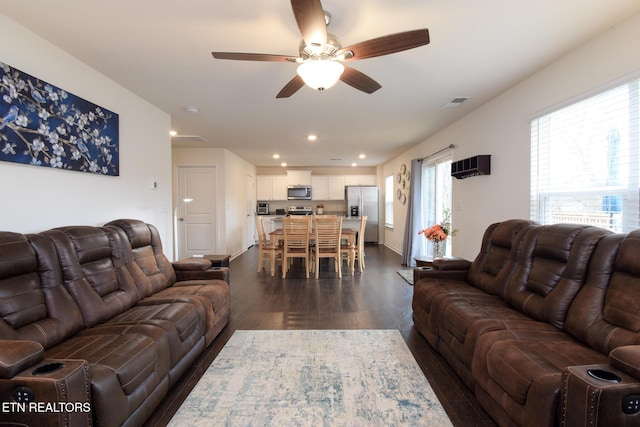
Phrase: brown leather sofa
{"type": "Point", "coordinates": [96, 324]}
{"type": "Point", "coordinates": [543, 325]}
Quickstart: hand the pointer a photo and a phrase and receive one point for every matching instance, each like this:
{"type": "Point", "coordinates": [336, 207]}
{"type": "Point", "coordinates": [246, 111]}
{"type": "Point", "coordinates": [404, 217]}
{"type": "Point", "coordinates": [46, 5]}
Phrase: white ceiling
{"type": "Point", "coordinates": [161, 50]}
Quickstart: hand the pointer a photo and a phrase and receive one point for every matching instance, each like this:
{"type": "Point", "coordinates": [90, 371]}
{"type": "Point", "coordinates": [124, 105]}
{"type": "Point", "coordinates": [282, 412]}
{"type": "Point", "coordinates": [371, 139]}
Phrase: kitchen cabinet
{"type": "Point", "coordinates": [336, 187]}
{"type": "Point", "coordinates": [298, 177]}
{"type": "Point", "coordinates": [327, 187]}
{"type": "Point", "coordinates": [360, 180]}
{"type": "Point", "coordinates": [319, 187]}
{"type": "Point", "coordinates": [271, 187]}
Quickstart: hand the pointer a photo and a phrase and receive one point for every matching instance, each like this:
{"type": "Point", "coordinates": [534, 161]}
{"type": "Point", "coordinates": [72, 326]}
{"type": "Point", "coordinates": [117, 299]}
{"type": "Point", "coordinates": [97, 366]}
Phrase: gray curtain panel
{"type": "Point", "coordinates": [414, 213]}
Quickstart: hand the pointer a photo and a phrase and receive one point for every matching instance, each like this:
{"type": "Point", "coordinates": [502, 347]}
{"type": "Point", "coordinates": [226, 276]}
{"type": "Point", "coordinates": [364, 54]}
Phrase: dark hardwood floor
{"type": "Point", "coordinates": [376, 299]}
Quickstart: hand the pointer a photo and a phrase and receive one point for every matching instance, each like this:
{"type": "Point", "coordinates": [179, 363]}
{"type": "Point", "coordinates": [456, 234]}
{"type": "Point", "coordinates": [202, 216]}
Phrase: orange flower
{"type": "Point", "coordinates": [440, 232]}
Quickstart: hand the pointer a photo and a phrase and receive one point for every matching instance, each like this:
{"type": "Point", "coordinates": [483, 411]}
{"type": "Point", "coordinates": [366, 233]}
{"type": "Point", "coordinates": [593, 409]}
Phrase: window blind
{"type": "Point", "coordinates": [585, 162]}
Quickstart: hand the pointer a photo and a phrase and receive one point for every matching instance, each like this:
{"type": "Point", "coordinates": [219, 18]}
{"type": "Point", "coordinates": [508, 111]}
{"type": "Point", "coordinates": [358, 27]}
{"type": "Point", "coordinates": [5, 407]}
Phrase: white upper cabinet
{"type": "Point", "coordinates": [323, 187]}
{"type": "Point", "coordinates": [271, 187]}
{"type": "Point", "coordinates": [298, 177]}
{"type": "Point", "coordinates": [336, 187]}
{"type": "Point", "coordinates": [319, 187]}
{"type": "Point", "coordinates": [327, 187]}
{"type": "Point", "coordinates": [360, 180]}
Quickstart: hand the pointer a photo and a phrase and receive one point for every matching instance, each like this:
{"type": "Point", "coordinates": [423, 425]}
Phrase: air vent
{"type": "Point", "coordinates": [188, 138]}
{"type": "Point", "coordinates": [455, 102]}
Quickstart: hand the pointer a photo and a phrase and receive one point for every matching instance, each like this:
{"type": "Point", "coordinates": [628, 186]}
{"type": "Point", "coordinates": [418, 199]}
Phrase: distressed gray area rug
{"type": "Point", "coordinates": [313, 378]}
{"type": "Point", "coordinates": [407, 275]}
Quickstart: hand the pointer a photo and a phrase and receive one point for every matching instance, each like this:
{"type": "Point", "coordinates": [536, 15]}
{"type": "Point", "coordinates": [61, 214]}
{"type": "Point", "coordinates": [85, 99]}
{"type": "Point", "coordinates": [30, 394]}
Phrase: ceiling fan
{"type": "Point", "coordinates": [321, 54]}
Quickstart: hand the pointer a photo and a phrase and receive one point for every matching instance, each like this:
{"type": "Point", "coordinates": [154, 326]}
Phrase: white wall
{"type": "Point", "coordinates": [37, 198]}
{"type": "Point", "coordinates": [502, 128]}
{"type": "Point", "coordinates": [231, 192]}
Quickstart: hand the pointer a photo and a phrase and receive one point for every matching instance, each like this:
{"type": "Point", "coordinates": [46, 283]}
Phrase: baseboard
{"type": "Point", "coordinates": [396, 250]}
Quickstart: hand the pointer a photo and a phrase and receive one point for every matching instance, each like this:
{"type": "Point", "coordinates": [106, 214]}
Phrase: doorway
{"type": "Point", "coordinates": [251, 211]}
{"type": "Point", "coordinates": [196, 221]}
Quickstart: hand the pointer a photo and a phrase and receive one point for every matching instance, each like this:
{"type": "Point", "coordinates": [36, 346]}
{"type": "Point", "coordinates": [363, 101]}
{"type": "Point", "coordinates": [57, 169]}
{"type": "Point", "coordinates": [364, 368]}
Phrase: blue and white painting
{"type": "Point", "coordinates": [43, 125]}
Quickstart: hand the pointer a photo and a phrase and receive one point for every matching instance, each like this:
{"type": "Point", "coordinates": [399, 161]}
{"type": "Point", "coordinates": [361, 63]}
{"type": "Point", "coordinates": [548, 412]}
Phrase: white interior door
{"type": "Point", "coordinates": [251, 211]}
{"type": "Point", "coordinates": [196, 221]}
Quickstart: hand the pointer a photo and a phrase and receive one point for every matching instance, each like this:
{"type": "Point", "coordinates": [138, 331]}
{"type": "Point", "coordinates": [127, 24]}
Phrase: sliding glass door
{"type": "Point", "coordinates": [436, 198]}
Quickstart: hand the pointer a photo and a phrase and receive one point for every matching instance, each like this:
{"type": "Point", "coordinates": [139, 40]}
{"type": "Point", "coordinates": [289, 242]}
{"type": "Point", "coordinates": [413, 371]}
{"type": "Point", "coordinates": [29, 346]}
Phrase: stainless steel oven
{"type": "Point", "coordinates": [299, 192]}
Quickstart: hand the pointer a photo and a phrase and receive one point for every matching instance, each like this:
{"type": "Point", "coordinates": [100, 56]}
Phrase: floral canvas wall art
{"type": "Point", "coordinates": [43, 125]}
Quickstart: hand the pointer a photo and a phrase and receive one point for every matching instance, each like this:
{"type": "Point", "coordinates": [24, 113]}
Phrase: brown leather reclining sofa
{"type": "Point", "coordinates": [96, 324]}
{"type": "Point", "coordinates": [543, 325]}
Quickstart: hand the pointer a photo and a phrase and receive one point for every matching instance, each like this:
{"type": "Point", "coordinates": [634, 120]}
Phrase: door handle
{"type": "Point", "coordinates": [180, 219]}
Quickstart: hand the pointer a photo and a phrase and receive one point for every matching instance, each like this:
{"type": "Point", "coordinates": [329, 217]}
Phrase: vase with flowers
{"type": "Point", "coordinates": [439, 233]}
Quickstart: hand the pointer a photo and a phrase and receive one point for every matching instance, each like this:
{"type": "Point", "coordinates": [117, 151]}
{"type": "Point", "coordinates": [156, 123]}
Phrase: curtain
{"type": "Point", "coordinates": [410, 246]}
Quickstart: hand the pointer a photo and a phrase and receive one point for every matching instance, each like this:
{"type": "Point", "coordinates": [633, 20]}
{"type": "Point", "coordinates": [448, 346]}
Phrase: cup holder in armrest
{"type": "Point", "coordinates": [602, 375]}
{"type": "Point", "coordinates": [48, 368]}
{"type": "Point", "coordinates": [425, 268]}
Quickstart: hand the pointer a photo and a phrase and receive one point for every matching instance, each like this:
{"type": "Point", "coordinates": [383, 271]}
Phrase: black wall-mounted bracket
{"type": "Point", "coordinates": [473, 166]}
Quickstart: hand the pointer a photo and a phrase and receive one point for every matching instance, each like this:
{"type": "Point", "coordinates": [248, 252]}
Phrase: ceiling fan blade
{"type": "Point", "coordinates": [290, 88]}
{"type": "Point", "coordinates": [254, 57]}
{"type": "Point", "coordinates": [359, 80]}
{"type": "Point", "coordinates": [310, 18]}
{"type": "Point", "coordinates": [385, 45]}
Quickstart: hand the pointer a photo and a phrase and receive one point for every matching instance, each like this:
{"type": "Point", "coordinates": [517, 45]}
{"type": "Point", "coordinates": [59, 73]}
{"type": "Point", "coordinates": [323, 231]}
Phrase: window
{"type": "Point", "coordinates": [388, 201]}
{"type": "Point", "coordinates": [436, 197]}
{"type": "Point", "coordinates": [584, 162]}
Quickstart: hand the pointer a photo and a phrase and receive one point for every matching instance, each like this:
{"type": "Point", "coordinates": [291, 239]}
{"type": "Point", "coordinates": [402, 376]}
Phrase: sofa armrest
{"type": "Point", "coordinates": [212, 273]}
{"type": "Point", "coordinates": [16, 356]}
{"type": "Point", "coordinates": [452, 263]}
{"type": "Point", "coordinates": [192, 264]}
{"type": "Point", "coordinates": [598, 395]}
{"type": "Point", "coordinates": [626, 359]}
{"type": "Point", "coordinates": [420, 273]}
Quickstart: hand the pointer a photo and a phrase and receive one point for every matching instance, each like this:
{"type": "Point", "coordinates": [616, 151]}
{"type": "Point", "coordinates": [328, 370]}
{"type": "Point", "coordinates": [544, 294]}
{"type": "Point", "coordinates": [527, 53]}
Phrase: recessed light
{"type": "Point", "coordinates": [354, 164]}
{"type": "Point", "coordinates": [173, 133]}
{"type": "Point", "coordinates": [312, 137]}
{"type": "Point", "coordinates": [362, 156]}
{"type": "Point", "coordinates": [192, 110]}
{"type": "Point", "coordinates": [283, 164]}
{"type": "Point", "coordinates": [276, 156]}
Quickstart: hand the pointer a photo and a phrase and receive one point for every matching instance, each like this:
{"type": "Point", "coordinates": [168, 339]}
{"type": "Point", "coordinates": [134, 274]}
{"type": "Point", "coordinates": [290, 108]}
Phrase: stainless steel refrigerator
{"type": "Point", "coordinates": [363, 200]}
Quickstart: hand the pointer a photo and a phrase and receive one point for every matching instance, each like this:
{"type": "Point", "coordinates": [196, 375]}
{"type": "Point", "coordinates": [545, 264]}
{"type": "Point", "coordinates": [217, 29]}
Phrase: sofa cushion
{"type": "Point", "coordinates": [89, 273]}
{"type": "Point", "coordinates": [623, 295]}
{"type": "Point", "coordinates": [521, 370]}
{"type": "Point", "coordinates": [183, 323]}
{"type": "Point", "coordinates": [147, 253]}
{"type": "Point", "coordinates": [126, 367]}
{"type": "Point", "coordinates": [495, 253]}
{"type": "Point", "coordinates": [604, 314]}
{"type": "Point", "coordinates": [551, 270]}
{"type": "Point", "coordinates": [35, 305]}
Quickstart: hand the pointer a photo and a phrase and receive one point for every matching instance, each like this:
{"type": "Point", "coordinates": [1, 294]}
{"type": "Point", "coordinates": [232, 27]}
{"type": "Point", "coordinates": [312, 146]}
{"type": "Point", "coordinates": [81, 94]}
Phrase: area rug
{"type": "Point", "coordinates": [313, 378]}
{"type": "Point", "coordinates": [407, 275]}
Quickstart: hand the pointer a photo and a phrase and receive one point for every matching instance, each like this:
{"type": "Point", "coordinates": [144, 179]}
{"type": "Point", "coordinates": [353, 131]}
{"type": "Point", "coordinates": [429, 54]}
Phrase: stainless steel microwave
{"type": "Point", "coordinates": [299, 192]}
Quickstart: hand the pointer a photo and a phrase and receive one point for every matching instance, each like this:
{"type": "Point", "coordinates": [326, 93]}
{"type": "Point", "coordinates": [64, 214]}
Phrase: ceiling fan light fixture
{"type": "Point", "coordinates": [320, 74]}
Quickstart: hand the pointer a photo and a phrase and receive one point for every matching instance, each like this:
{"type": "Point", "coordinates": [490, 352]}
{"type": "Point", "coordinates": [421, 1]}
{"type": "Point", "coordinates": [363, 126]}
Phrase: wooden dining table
{"type": "Point", "coordinates": [348, 234]}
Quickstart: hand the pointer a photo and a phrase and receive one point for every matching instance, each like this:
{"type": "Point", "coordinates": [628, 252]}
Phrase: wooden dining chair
{"type": "Point", "coordinates": [355, 252]}
{"type": "Point", "coordinates": [296, 230]}
{"type": "Point", "coordinates": [267, 250]}
{"type": "Point", "coordinates": [328, 237]}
